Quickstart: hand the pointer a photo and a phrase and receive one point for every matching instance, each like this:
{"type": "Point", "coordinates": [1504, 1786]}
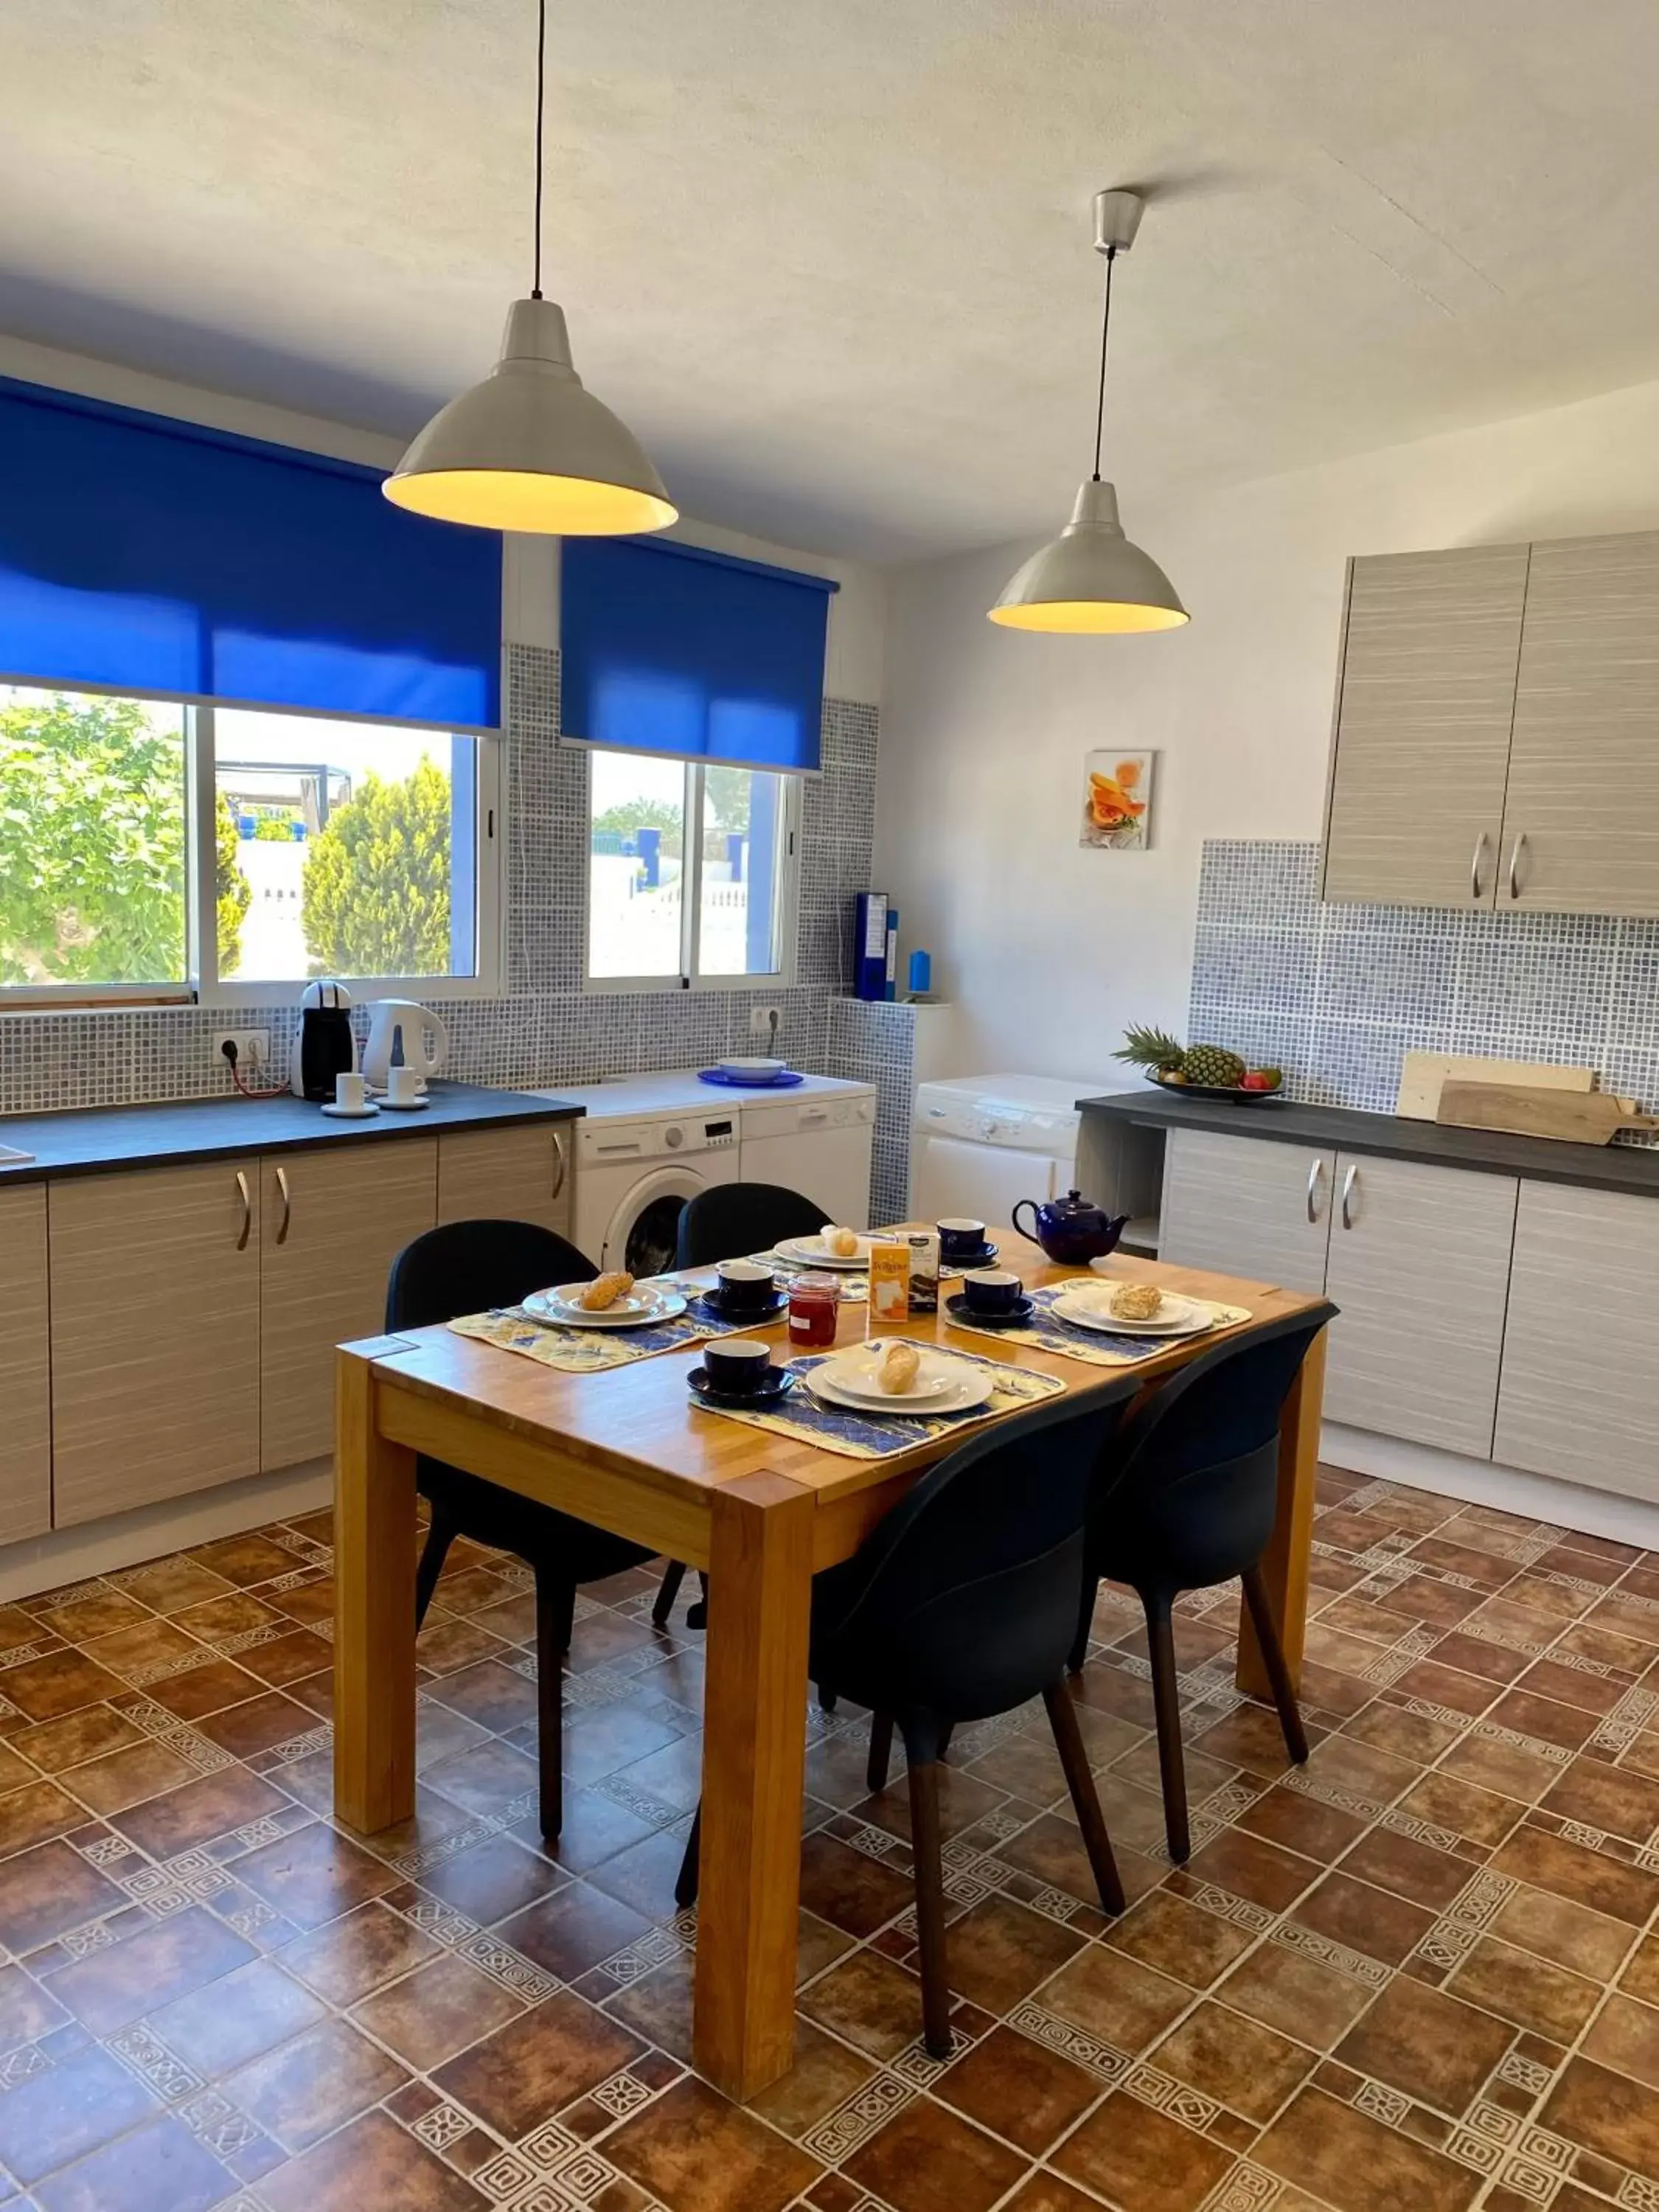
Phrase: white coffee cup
{"type": "Point", "coordinates": [349, 1092]}
{"type": "Point", "coordinates": [403, 1085]}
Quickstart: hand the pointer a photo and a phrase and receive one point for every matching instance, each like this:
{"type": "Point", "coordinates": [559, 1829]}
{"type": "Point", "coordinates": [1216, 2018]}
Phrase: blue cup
{"type": "Point", "coordinates": [992, 1291]}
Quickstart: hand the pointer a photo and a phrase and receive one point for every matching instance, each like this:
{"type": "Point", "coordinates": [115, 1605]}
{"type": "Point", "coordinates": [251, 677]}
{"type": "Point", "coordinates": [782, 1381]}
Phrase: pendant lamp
{"type": "Point", "coordinates": [1091, 578]}
{"type": "Point", "coordinates": [529, 449]}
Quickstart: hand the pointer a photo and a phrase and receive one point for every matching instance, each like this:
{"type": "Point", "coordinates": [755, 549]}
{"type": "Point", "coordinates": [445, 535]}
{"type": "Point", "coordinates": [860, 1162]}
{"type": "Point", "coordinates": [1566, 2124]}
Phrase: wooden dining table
{"type": "Point", "coordinates": [626, 1448]}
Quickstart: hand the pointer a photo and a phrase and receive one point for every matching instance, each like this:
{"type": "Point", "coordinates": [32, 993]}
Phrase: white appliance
{"type": "Point", "coordinates": [400, 1030]}
{"type": "Point", "coordinates": [647, 1143]}
{"type": "Point", "coordinates": [981, 1143]}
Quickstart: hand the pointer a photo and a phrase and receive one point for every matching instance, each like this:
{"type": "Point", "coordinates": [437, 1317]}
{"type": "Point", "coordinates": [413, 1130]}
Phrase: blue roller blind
{"type": "Point", "coordinates": [668, 649]}
{"type": "Point", "coordinates": [151, 556]}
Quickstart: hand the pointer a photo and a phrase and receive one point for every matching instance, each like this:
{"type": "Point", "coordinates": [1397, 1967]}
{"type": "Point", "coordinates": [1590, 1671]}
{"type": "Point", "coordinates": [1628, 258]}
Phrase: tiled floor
{"type": "Point", "coordinates": [1416, 1976]}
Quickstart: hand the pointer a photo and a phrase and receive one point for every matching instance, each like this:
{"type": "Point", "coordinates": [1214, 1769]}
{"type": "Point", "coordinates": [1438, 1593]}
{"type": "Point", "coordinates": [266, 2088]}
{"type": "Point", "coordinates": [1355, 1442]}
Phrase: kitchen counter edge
{"type": "Point", "coordinates": [1633, 1169]}
{"type": "Point", "coordinates": [179, 1133]}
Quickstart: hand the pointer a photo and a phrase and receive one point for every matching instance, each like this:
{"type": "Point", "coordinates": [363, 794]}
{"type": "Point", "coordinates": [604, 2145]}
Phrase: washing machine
{"type": "Point", "coordinates": [636, 1170]}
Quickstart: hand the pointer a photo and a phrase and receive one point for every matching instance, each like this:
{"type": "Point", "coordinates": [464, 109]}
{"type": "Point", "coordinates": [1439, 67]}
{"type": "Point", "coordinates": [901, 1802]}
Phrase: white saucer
{"type": "Point", "coordinates": [943, 1385]}
{"type": "Point", "coordinates": [640, 1308]}
{"type": "Point", "coordinates": [809, 1252]}
{"type": "Point", "coordinates": [351, 1113]}
{"type": "Point", "coordinates": [1181, 1316]}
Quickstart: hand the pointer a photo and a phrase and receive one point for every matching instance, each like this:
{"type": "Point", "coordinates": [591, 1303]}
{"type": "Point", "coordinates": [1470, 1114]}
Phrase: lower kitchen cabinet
{"type": "Point", "coordinates": [1243, 1207]}
{"type": "Point", "coordinates": [25, 1366]}
{"type": "Point", "coordinates": [520, 1173]}
{"type": "Point", "coordinates": [1420, 1265]}
{"type": "Point", "coordinates": [1579, 1396]}
{"type": "Point", "coordinates": [154, 1286]}
{"type": "Point", "coordinates": [333, 1221]}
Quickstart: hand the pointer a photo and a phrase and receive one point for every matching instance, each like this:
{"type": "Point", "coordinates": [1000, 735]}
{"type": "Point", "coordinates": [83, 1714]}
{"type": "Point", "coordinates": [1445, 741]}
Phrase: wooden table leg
{"type": "Point", "coordinates": [1286, 1562]}
{"type": "Point", "coordinates": [754, 1761]}
{"type": "Point", "coordinates": [374, 1609]}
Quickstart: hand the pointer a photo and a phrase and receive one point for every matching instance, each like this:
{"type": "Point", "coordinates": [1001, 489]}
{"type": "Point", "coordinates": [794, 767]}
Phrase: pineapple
{"type": "Point", "coordinates": [1166, 1059]}
{"type": "Point", "coordinates": [1212, 1064]}
{"type": "Point", "coordinates": [1154, 1049]}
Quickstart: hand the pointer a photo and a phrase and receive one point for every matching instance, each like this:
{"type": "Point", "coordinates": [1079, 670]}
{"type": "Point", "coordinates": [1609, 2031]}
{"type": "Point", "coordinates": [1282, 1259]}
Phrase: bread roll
{"type": "Point", "coordinates": [897, 1367]}
{"type": "Point", "coordinates": [843, 1243]}
{"type": "Point", "coordinates": [1136, 1300]}
{"type": "Point", "coordinates": [604, 1289]}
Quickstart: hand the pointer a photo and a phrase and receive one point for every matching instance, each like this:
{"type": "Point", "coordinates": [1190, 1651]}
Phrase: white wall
{"type": "Point", "coordinates": [1051, 949]}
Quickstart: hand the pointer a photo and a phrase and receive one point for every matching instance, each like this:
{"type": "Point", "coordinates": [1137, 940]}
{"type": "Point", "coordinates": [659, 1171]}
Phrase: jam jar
{"type": "Point", "coordinates": [814, 1302]}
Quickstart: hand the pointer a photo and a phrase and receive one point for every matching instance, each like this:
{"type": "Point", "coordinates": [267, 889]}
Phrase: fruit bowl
{"type": "Point", "coordinates": [1231, 1092]}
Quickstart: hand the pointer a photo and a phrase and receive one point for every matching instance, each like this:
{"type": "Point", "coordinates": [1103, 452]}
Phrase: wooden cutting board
{"type": "Point", "coordinates": [1594, 1117]}
{"type": "Point", "coordinates": [1423, 1073]}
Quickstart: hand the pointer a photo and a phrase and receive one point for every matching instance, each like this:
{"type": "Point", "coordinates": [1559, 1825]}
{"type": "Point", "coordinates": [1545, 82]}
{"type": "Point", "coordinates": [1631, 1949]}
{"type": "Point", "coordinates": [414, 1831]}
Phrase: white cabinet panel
{"type": "Point", "coordinates": [1246, 1205]}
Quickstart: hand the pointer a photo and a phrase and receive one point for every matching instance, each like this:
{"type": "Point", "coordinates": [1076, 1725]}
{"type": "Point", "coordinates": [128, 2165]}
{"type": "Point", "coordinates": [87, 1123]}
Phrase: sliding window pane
{"type": "Point", "coordinates": [343, 849]}
{"type": "Point", "coordinates": [744, 837]}
{"type": "Point", "coordinates": [635, 866]}
{"type": "Point", "coordinates": [92, 867]}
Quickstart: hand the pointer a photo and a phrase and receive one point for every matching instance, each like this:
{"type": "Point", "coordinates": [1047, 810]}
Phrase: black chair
{"type": "Point", "coordinates": [728, 1223]}
{"type": "Point", "coordinates": [958, 1606]}
{"type": "Point", "coordinates": [462, 1268]}
{"type": "Point", "coordinates": [1187, 1499]}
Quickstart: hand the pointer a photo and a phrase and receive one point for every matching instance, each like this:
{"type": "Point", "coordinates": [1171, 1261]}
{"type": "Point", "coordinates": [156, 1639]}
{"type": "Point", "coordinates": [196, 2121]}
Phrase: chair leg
{"type": "Point", "coordinates": [881, 1750]}
{"type": "Point", "coordinates": [828, 1700]}
{"type": "Point", "coordinates": [673, 1576]}
{"type": "Point", "coordinates": [439, 1538]}
{"type": "Point", "coordinates": [1086, 1798]}
{"type": "Point", "coordinates": [1272, 1658]}
{"type": "Point", "coordinates": [925, 1849]}
{"type": "Point", "coordinates": [1166, 1704]}
{"type": "Point", "coordinates": [697, 1616]}
{"type": "Point", "coordinates": [556, 1606]}
{"type": "Point", "coordinates": [1085, 1621]}
{"type": "Point", "coordinates": [685, 1888]}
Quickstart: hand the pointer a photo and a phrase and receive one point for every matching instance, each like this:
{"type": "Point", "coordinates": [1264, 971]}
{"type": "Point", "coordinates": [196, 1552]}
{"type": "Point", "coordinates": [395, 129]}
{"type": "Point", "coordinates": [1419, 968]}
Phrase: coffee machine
{"type": "Point", "coordinates": [324, 1046]}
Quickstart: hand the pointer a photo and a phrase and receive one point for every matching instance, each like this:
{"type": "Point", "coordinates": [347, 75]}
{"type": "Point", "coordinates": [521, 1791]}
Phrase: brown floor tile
{"type": "Point", "coordinates": [100, 1613]}
{"type": "Point", "coordinates": [1623, 1892]}
{"type": "Point", "coordinates": [15, 1771]}
{"type": "Point", "coordinates": [1571, 1686]}
{"type": "Point", "coordinates": [436, 2012]}
{"type": "Point", "coordinates": [369, 2164]}
{"type": "Point", "coordinates": [1429, 2045]}
{"type": "Point", "coordinates": [47, 1890]}
{"type": "Point", "coordinates": [243, 1560]}
{"type": "Point", "coordinates": [26, 2012]}
{"type": "Point", "coordinates": [1177, 1938]}
{"type": "Point", "coordinates": [1605, 2113]}
{"type": "Point", "coordinates": [1421, 1872]}
{"type": "Point", "coordinates": [1254, 1869]}
{"type": "Point", "coordinates": [1050, 1850]}
{"type": "Point", "coordinates": [1025, 1766]}
{"type": "Point", "coordinates": [869, 2000]}
{"type": "Point", "coordinates": [1365, 1919]}
{"type": "Point", "coordinates": [1447, 1802]}
{"type": "Point", "coordinates": [1355, 2164]}
{"type": "Point", "coordinates": [1571, 1934]}
{"type": "Point", "coordinates": [1299, 1996]}
{"type": "Point", "coordinates": [314, 1874]}
{"type": "Point", "coordinates": [288, 1659]}
{"type": "Point", "coordinates": [1479, 1656]}
{"type": "Point", "coordinates": [927, 2158]}
{"type": "Point", "coordinates": [225, 2023]}
{"type": "Point", "coordinates": [1020, 2090]}
{"type": "Point", "coordinates": [488, 1779]}
{"type": "Point", "coordinates": [44, 1688]}
{"type": "Point", "coordinates": [1132, 2156]}
{"type": "Point", "coordinates": [1507, 1768]}
{"type": "Point", "coordinates": [1301, 1823]}
{"type": "Point", "coordinates": [1544, 1719]}
{"type": "Point", "coordinates": [1115, 1998]}
{"type": "Point", "coordinates": [79, 1736]}
{"type": "Point", "coordinates": [36, 1813]}
{"type": "Point", "coordinates": [693, 2152]}
{"type": "Point", "coordinates": [111, 1988]}
{"type": "Point", "coordinates": [205, 1689]}
{"type": "Point", "coordinates": [659, 2007]}
{"type": "Point", "coordinates": [824, 2074]}
{"type": "Point", "coordinates": [490, 1693]}
{"type": "Point", "coordinates": [963, 1799]}
{"type": "Point", "coordinates": [309, 1604]}
{"type": "Point", "coordinates": [256, 1725]}
{"type": "Point", "coordinates": [999, 1951]}
{"type": "Point", "coordinates": [850, 1889]}
{"type": "Point", "coordinates": [305, 2089]}
{"type": "Point", "coordinates": [222, 1618]}
{"type": "Point", "coordinates": [194, 1814]}
{"type": "Point", "coordinates": [146, 1648]}
{"type": "Point", "coordinates": [573, 1929]}
{"type": "Point", "coordinates": [1250, 1737]}
{"type": "Point", "coordinates": [1625, 2036]}
{"type": "Point", "coordinates": [126, 1777]}
{"type": "Point", "coordinates": [170, 1585]}
{"type": "Point", "coordinates": [1448, 1687]}
{"type": "Point", "coordinates": [161, 2165]}
{"type": "Point", "coordinates": [1640, 1976]}
{"type": "Point", "coordinates": [1417, 1737]}
{"type": "Point", "coordinates": [494, 1879]}
{"type": "Point", "coordinates": [1240, 2063]}
{"type": "Point", "coordinates": [68, 2110]}
{"type": "Point", "coordinates": [1530, 1991]}
{"type": "Point", "coordinates": [18, 1629]}
{"type": "Point", "coordinates": [348, 1958]}
{"type": "Point", "coordinates": [1606, 1797]}
{"type": "Point", "coordinates": [529, 2069]}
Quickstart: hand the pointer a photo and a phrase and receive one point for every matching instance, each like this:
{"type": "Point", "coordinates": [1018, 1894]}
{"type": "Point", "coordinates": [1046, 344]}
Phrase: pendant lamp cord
{"type": "Point", "coordinates": [541, 105]}
{"type": "Point", "coordinates": [1105, 327]}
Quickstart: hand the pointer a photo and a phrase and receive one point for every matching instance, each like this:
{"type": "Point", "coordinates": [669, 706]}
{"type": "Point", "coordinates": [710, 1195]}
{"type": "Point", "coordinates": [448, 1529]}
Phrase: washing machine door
{"type": "Point", "coordinates": [643, 1232]}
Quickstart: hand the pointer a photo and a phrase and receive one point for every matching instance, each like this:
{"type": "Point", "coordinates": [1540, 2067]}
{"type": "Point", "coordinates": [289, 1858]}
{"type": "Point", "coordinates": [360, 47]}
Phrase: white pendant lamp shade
{"type": "Point", "coordinates": [1090, 578]}
{"type": "Point", "coordinates": [531, 449]}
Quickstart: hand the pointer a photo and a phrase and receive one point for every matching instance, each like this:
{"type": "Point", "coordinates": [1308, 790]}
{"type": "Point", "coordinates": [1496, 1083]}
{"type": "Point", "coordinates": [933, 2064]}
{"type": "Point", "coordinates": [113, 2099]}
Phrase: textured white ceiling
{"type": "Point", "coordinates": [831, 258]}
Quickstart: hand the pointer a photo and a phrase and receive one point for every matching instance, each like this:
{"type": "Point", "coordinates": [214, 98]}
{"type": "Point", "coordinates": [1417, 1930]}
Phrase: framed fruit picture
{"type": "Point", "coordinates": [1117, 801]}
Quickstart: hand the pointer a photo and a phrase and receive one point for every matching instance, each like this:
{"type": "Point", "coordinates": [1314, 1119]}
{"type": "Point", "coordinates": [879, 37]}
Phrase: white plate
{"type": "Point", "coordinates": [809, 1252]}
{"type": "Point", "coordinates": [943, 1385]}
{"type": "Point", "coordinates": [1178, 1316]}
{"type": "Point", "coordinates": [638, 1309]}
{"type": "Point", "coordinates": [753, 1066]}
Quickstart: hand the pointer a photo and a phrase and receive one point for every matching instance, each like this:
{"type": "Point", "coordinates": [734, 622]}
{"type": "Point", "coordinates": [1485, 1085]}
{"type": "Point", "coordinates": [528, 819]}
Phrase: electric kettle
{"type": "Point", "coordinates": [402, 1032]}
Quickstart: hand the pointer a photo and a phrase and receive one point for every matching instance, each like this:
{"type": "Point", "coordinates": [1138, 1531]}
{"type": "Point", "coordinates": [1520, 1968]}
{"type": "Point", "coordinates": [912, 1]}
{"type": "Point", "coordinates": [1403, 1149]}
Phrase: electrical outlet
{"type": "Point", "coordinates": [762, 1020]}
{"type": "Point", "coordinates": [252, 1049]}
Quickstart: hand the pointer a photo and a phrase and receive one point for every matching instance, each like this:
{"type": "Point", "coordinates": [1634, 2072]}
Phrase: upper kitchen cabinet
{"type": "Point", "coordinates": [1425, 695]}
{"type": "Point", "coordinates": [1581, 817]}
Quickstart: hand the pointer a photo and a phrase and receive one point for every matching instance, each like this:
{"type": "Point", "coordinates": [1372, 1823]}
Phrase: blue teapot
{"type": "Point", "coordinates": [1071, 1230]}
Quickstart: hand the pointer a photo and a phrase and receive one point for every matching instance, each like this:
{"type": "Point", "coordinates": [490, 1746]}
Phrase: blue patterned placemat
{"type": "Point", "coordinates": [881, 1436]}
{"type": "Point", "coordinates": [1046, 1332]}
{"type": "Point", "coordinates": [588, 1351]}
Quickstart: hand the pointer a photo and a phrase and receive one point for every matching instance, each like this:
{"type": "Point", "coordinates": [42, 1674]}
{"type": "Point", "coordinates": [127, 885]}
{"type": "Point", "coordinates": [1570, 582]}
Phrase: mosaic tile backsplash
{"type": "Point", "coordinates": [1336, 995]}
{"type": "Point", "coordinates": [546, 1029]}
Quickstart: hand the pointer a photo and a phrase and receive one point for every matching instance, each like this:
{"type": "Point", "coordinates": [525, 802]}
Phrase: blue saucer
{"type": "Point", "coordinates": [785, 1081]}
{"type": "Point", "coordinates": [975, 1317]}
{"type": "Point", "coordinates": [709, 1306]}
{"type": "Point", "coordinates": [987, 1256]}
{"type": "Point", "coordinates": [779, 1383]}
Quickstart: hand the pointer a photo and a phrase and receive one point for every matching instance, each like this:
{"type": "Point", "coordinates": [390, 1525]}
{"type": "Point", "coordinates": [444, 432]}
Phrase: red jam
{"type": "Point", "coordinates": [814, 1301]}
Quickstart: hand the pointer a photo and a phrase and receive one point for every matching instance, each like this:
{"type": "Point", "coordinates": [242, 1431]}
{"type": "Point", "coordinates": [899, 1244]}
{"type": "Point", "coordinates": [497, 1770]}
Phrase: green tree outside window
{"type": "Point", "coordinates": [375, 900]}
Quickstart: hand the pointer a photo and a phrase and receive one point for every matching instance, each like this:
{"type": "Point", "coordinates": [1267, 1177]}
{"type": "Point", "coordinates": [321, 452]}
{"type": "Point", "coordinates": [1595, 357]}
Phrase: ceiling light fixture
{"type": "Point", "coordinates": [1090, 578]}
{"type": "Point", "coordinates": [528, 448]}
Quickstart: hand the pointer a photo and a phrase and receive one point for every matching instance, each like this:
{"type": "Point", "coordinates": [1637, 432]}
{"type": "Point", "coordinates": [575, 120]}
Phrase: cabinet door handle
{"type": "Point", "coordinates": [247, 1211]}
{"type": "Point", "coordinates": [1315, 1177]}
{"type": "Point", "coordinates": [1348, 1183]}
{"type": "Point", "coordinates": [558, 1165]}
{"type": "Point", "coordinates": [288, 1206]}
{"type": "Point", "coordinates": [1516, 851]}
{"type": "Point", "coordinates": [1477, 889]}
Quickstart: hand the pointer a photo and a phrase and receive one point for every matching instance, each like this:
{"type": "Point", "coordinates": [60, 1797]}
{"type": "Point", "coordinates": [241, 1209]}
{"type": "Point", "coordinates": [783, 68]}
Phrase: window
{"type": "Point", "coordinates": [153, 850]}
{"type": "Point", "coordinates": [666, 910]}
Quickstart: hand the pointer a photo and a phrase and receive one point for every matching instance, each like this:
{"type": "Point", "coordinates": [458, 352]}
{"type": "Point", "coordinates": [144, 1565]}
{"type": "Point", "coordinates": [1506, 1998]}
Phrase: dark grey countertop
{"type": "Point", "coordinates": [95, 1139]}
{"type": "Point", "coordinates": [1634, 1168]}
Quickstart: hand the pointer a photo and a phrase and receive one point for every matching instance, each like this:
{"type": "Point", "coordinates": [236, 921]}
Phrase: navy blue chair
{"type": "Point", "coordinates": [960, 1605]}
{"type": "Point", "coordinates": [1187, 1498]}
{"type": "Point", "coordinates": [465, 1267]}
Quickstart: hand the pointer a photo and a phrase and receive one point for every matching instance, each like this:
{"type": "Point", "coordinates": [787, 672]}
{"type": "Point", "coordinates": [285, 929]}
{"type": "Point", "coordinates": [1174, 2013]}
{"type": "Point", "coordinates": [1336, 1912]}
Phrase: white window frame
{"type": "Point", "coordinates": [689, 979]}
{"type": "Point", "coordinates": [203, 985]}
